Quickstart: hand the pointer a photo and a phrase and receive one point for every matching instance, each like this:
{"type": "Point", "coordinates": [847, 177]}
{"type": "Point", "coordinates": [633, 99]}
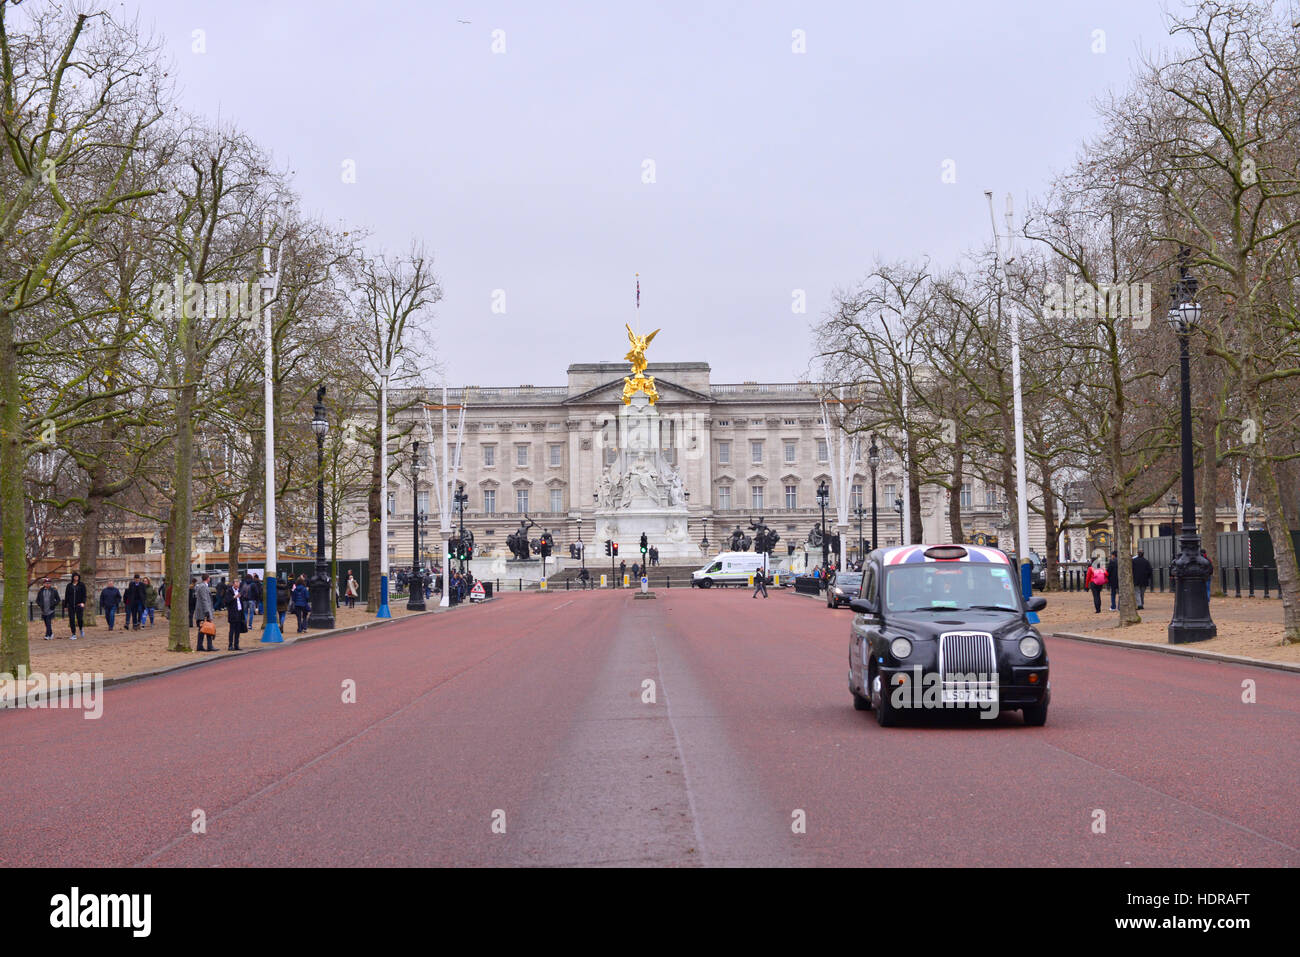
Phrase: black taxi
{"type": "Point", "coordinates": [945, 626]}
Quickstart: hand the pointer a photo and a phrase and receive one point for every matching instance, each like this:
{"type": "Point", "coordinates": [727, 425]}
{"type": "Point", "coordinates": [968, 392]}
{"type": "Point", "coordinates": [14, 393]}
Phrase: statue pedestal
{"type": "Point", "coordinates": [642, 491]}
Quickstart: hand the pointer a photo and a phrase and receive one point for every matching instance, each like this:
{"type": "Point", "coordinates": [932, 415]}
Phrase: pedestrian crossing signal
{"type": "Point", "coordinates": [644, 543]}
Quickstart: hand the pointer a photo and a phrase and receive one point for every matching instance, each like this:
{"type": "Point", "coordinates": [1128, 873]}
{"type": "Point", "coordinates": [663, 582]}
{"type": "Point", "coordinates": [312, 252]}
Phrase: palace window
{"type": "Point", "coordinates": [965, 495]}
{"type": "Point", "coordinates": [489, 456]}
{"type": "Point", "coordinates": [756, 496]}
{"type": "Point", "coordinates": [724, 453]}
{"type": "Point", "coordinates": [724, 498]}
{"type": "Point", "coordinates": [557, 500]}
{"type": "Point", "coordinates": [855, 497]}
{"type": "Point", "coordinates": [556, 454]}
{"type": "Point", "coordinates": [756, 451]}
{"type": "Point", "coordinates": [990, 497]}
{"type": "Point", "coordinates": [423, 501]}
{"type": "Point", "coordinates": [392, 503]}
{"type": "Point", "coordinates": [489, 501]}
{"type": "Point", "coordinates": [521, 456]}
{"type": "Point", "coordinates": [789, 453]}
{"type": "Point", "coordinates": [891, 492]}
{"type": "Point", "coordinates": [822, 454]}
{"type": "Point", "coordinates": [791, 496]}
{"type": "Point", "coordinates": [521, 500]}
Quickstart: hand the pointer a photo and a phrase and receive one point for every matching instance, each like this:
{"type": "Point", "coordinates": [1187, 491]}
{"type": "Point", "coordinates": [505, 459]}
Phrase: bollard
{"type": "Point", "coordinates": [1223, 575]}
{"type": "Point", "coordinates": [1236, 575]}
{"type": "Point", "coordinates": [31, 611]}
{"type": "Point", "coordinates": [1250, 580]}
{"type": "Point", "coordinates": [521, 584]}
{"type": "Point", "coordinates": [566, 584]}
{"type": "Point", "coordinates": [1266, 582]}
{"type": "Point", "coordinates": [668, 582]}
{"type": "Point", "coordinates": [1162, 578]}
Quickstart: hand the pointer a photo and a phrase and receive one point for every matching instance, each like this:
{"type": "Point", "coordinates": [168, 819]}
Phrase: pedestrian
{"type": "Point", "coordinates": [1142, 575]}
{"type": "Point", "coordinates": [246, 600]}
{"type": "Point", "coordinates": [74, 600]}
{"type": "Point", "coordinates": [1209, 576]}
{"type": "Point", "coordinates": [219, 595]}
{"type": "Point", "coordinates": [282, 595]}
{"type": "Point", "coordinates": [1093, 580]}
{"type": "Point", "coordinates": [109, 599]}
{"type": "Point", "coordinates": [150, 599]}
{"type": "Point", "coordinates": [193, 599]}
{"type": "Point", "coordinates": [1112, 577]}
{"type": "Point", "coordinates": [760, 582]}
{"type": "Point", "coordinates": [203, 611]}
{"type": "Point", "coordinates": [622, 571]}
{"type": "Point", "coordinates": [235, 615]}
{"type": "Point", "coordinates": [301, 602]}
{"type": "Point", "coordinates": [258, 596]}
{"type": "Point", "coordinates": [351, 590]}
{"type": "Point", "coordinates": [636, 572]}
{"type": "Point", "coordinates": [134, 603]}
{"type": "Point", "coordinates": [47, 602]}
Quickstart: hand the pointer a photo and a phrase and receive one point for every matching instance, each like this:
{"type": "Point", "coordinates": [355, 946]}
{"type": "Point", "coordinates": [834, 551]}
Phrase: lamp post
{"type": "Point", "coordinates": [823, 497]}
{"type": "Point", "coordinates": [704, 544]}
{"type": "Point", "coordinates": [898, 508]}
{"type": "Point", "coordinates": [415, 600]}
{"type": "Point", "coordinates": [1075, 504]}
{"type": "Point", "coordinates": [1173, 515]}
{"type": "Point", "coordinates": [460, 498]}
{"type": "Point", "coordinates": [873, 459]}
{"type": "Point", "coordinates": [322, 615]}
{"type": "Point", "coordinates": [860, 511]}
{"type": "Point", "coordinates": [1190, 570]}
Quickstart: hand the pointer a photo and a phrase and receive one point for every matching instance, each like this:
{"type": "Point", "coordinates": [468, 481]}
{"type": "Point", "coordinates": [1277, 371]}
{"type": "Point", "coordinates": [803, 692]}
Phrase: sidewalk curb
{"type": "Point", "coordinates": [1184, 652]}
{"type": "Point", "coordinates": [183, 665]}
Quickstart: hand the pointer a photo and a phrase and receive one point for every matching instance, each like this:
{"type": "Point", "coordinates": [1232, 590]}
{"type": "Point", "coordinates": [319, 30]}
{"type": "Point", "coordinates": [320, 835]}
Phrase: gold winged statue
{"type": "Point", "coordinates": [639, 381]}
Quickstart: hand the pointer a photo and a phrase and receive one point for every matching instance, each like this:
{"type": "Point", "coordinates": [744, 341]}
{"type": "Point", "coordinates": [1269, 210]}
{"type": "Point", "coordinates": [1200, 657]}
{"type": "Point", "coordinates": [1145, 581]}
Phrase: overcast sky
{"type": "Point", "coordinates": [774, 171]}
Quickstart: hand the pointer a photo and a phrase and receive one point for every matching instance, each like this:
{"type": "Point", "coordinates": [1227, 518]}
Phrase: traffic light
{"type": "Point", "coordinates": [616, 549]}
{"type": "Point", "coordinates": [608, 543]}
{"type": "Point", "coordinates": [645, 544]}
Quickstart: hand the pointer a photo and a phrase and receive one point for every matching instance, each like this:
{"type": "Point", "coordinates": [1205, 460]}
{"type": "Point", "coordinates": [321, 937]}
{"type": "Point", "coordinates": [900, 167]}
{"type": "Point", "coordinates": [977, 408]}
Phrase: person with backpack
{"type": "Point", "coordinates": [74, 600]}
{"type": "Point", "coordinates": [1094, 579]}
{"type": "Point", "coordinates": [47, 602]}
{"type": "Point", "coordinates": [301, 602]}
{"type": "Point", "coordinates": [150, 599]}
{"type": "Point", "coordinates": [1142, 575]}
{"type": "Point", "coordinates": [282, 600]}
{"type": "Point", "coordinates": [1112, 578]}
{"type": "Point", "coordinates": [109, 599]}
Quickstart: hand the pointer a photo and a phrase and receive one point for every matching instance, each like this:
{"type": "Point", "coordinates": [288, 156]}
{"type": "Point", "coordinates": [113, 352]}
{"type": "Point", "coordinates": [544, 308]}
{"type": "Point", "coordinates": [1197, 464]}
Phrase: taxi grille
{"type": "Point", "coordinates": [966, 653]}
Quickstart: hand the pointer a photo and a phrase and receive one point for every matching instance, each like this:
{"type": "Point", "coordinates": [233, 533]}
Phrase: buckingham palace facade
{"type": "Point", "coordinates": [742, 451]}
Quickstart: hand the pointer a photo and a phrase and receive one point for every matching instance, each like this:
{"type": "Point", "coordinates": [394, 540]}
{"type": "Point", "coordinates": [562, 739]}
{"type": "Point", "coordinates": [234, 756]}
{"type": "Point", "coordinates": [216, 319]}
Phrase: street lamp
{"type": "Point", "coordinates": [460, 498]}
{"type": "Point", "coordinates": [415, 601]}
{"type": "Point", "coordinates": [704, 544]}
{"type": "Point", "coordinates": [823, 497]}
{"type": "Point", "coordinates": [1173, 514]}
{"type": "Point", "coordinates": [873, 459]}
{"type": "Point", "coordinates": [1190, 571]}
{"type": "Point", "coordinates": [860, 511]}
{"type": "Point", "coordinates": [322, 614]}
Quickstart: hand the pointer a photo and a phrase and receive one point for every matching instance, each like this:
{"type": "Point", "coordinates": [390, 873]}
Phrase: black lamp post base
{"type": "Point", "coordinates": [416, 601]}
{"type": "Point", "coordinates": [1191, 574]}
{"type": "Point", "coordinates": [321, 616]}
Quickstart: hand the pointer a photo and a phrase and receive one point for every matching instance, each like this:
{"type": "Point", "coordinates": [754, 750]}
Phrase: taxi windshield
{"type": "Point", "coordinates": [950, 586]}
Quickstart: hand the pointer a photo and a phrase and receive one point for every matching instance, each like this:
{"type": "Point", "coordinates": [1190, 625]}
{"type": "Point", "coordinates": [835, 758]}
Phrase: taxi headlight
{"type": "Point", "coordinates": [1030, 646]}
{"type": "Point", "coordinates": [900, 648]}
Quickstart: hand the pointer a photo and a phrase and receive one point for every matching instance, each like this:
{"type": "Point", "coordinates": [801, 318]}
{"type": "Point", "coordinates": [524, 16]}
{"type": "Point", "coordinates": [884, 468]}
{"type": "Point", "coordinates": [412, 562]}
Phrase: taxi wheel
{"type": "Point", "coordinates": [886, 715]}
{"type": "Point", "coordinates": [1035, 715]}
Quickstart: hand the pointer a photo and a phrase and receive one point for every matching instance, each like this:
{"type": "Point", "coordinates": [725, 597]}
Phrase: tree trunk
{"type": "Point", "coordinates": [954, 494]}
{"type": "Point", "coordinates": [89, 557]}
{"type": "Point", "coordinates": [232, 556]}
{"type": "Point", "coordinates": [1288, 574]}
{"type": "Point", "coordinates": [178, 554]}
{"type": "Point", "coordinates": [914, 493]}
{"type": "Point", "coordinates": [1052, 554]}
{"type": "Point", "coordinates": [13, 620]}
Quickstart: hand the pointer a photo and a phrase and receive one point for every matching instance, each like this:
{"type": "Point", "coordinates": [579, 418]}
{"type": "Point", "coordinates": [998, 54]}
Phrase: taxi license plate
{"type": "Point", "coordinates": [970, 695]}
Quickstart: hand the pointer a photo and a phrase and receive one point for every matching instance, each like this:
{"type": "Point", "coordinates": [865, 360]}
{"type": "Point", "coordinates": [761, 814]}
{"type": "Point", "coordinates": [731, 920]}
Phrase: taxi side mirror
{"type": "Point", "coordinates": [863, 606]}
{"type": "Point", "coordinates": [1037, 603]}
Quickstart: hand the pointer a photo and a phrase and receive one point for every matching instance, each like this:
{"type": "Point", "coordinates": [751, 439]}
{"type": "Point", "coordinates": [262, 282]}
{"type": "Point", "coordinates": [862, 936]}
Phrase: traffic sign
{"type": "Point", "coordinates": [476, 593]}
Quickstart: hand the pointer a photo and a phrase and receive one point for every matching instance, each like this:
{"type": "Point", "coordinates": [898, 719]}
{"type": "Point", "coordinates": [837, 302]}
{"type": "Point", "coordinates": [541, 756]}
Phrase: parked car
{"type": "Point", "coordinates": [843, 589]}
{"type": "Point", "coordinates": [729, 568]}
{"type": "Point", "coordinates": [945, 626]}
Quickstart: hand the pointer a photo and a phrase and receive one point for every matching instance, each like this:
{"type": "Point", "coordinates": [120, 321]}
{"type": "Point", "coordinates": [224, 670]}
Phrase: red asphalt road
{"type": "Point", "coordinates": [531, 706]}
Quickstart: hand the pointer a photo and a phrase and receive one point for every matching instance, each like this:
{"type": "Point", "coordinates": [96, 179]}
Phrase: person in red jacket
{"type": "Point", "coordinates": [1095, 580]}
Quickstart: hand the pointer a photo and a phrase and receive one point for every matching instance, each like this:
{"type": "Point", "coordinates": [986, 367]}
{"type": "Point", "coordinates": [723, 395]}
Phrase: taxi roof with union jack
{"type": "Point", "coordinates": [910, 554]}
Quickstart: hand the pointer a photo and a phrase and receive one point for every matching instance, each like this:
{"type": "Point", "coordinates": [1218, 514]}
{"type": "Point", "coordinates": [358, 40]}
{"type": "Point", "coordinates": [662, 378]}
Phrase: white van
{"type": "Point", "coordinates": [729, 568]}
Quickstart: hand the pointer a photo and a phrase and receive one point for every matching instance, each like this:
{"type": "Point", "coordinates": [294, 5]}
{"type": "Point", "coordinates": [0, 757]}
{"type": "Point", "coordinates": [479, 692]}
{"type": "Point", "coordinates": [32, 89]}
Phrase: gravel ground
{"type": "Point", "coordinates": [1250, 627]}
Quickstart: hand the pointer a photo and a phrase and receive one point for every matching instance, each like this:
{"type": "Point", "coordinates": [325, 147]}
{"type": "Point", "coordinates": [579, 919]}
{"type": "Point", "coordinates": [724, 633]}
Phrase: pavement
{"type": "Point", "coordinates": [522, 733]}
